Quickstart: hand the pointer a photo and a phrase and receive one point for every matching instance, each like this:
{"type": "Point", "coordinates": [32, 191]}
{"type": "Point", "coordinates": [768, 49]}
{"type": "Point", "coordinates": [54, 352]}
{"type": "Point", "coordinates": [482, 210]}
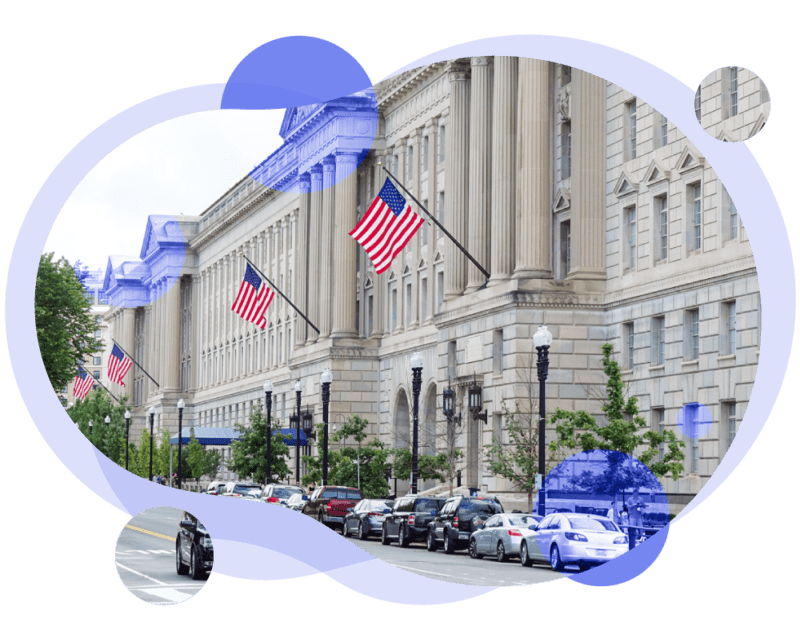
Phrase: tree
{"type": "Point", "coordinates": [621, 434]}
{"type": "Point", "coordinates": [429, 467]}
{"type": "Point", "coordinates": [249, 452]}
{"type": "Point", "coordinates": [64, 323]}
{"type": "Point", "coordinates": [110, 441]}
{"type": "Point", "coordinates": [140, 462]}
{"type": "Point", "coordinates": [161, 454]}
{"type": "Point", "coordinates": [200, 461]}
{"type": "Point", "coordinates": [367, 462]}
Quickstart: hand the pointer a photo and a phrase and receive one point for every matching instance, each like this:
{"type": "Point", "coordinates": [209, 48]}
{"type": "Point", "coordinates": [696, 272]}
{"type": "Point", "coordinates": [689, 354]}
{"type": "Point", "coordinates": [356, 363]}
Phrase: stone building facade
{"type": "Point", "coordinates": [591, 212]}
{"type": "Point", "coordinates": [732, 104]}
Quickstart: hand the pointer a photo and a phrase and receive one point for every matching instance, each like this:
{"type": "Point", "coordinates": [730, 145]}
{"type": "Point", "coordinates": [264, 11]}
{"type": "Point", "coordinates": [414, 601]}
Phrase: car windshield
{"type": "Point", "coordinates": [341, 494]}
{"type": "Point", "coordinates": [427, 506]}
{"type": "Point", "coordinates": [521, 521]}
{"type": "Point", "coordinates": [377, 505]}
{"type": "Point", "coordinates": [483, 507]}
{"type": "Point", "coordinates": [283, 493]}
{"type": "Point", "coordinates": [244, 488]}
{"type": "Point", "coordinates": [592, 524]}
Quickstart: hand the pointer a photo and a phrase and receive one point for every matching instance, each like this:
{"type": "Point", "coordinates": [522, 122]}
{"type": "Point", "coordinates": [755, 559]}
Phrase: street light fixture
{"type": "Point", "coordinates": [127, 435]}
{"type": "Point", "coordinates": [268, 406]}
{"type": "Point", "coordinates": [107, 420]}
{"type": "Point", "coordinates": [542, 340]}
{"type": "Point", "coordinates": [181, 405]}
{"type": "Point", "coordinates": [152, 416]}
{"type": "Point", "coordinates": [298, 388]}
{"type": "Point", "coordinates": [90, 427]}
{"type": "Point", "coordinates": [325, 380]}
{"type": "Point", "coordinates": [476, 402]}
{"type": "Point", "coordinates": [416, 386]}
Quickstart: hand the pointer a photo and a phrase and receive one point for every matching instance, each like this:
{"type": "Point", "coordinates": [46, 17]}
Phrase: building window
{"type": "Point", "coordinates": [659, 341]}
{"type": "Point", "coordinates": [410, 165]}
{"type": "Point", "coordinates": [394, 309]}
{"type": "Point", "coordinates": [691, 335]}
{"type": "Point", "coordinates": [697, 104]}
{"type": "Point", "coordinates": [497, 352]}
{"type": "Point", "coordinates": [733, 219]}
{"type": "Point", "coordinates": [734, 90]}
{"type": "Point", "coordinates": [423, 297]}
{"type": "Point", "coordinates": [452, 358]}
{"type": "Point", "coordinates": [396, 164]}
{"type": "Point", "coordinates": [424, 238]}
{"type": "Point", "coordinates": [96, 375]}
{"type": "Point", "coordinates": [564, 249]}
{"type": "Point", "coordinates": [439, 290]}
{"type": "Point", "coordinates": [728, 424]}
{"type": "Point", "coordinates": [659, 425]}
{"type": "Point", "coordinates": [696, 191]}
{"type": "Point", "coordinates": [440, 213]}
{"type": "Point", "coordinates": [631, 125]}
{"type": "Point", "coordinates": [628, 345]}
{"type": "Point", "coordinates": [565, 76]}
{"type": "Point", "coordinates": [425, 154]}
{"type": "Point", "coordinates": [369, 315]}
{"type": "Point", "coordinates": [97, 361]}
{"type": "Point", "coordinates": [728, 330]}
{"type": "Point", "coordinates": [663, 131]}
{"type": "Point", "coordinates": [630, 232]}
{"type": "Point", "coordinates": [280, 347]}
{"type": "Point", "coordinates": [96, 334]}
{"type": "Point", "coordinates": [695, 455]}
{"type": "Point", "coordinates": [662, 222]}
{"type": "Point", "coordinates": [441, 143]}
{"type": "Point", "coordinates": [99, 319]}
{"type": "Point", "coordinates": [566, 150]}
{"type": "Point", "coordinates": [408, 305]}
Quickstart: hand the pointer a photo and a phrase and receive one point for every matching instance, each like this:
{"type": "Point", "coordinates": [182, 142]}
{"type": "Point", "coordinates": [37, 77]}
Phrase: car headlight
{"type": "Point", "coordinates": [621, 540]}
{"type": "Point", "coordinates": [206, 542]}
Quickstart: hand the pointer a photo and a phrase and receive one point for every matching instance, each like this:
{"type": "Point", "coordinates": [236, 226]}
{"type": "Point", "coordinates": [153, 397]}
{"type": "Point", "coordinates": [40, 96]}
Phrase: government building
{"type": "Point", "coordinates": [590, 211]}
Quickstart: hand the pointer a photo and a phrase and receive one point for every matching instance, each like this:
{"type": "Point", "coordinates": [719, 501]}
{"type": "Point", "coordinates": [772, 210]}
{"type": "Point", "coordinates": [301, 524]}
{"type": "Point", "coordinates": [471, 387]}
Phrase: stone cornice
{"type": "Point", "coordinates": [395, 88]}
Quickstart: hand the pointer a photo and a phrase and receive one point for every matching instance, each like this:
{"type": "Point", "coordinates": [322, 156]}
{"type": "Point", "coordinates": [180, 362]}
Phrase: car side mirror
{"type": "Point", "coordinates": [187, 524]}
{"type": "Point", "coordinates": [305, 497]}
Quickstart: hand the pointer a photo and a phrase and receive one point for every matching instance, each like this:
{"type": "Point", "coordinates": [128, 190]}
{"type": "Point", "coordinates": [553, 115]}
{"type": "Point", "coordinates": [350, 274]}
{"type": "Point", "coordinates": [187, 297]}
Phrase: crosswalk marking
{"type": "Point", "coordinates": [146, 552]}
{"type": "Point", "coordinates": [168, 594]}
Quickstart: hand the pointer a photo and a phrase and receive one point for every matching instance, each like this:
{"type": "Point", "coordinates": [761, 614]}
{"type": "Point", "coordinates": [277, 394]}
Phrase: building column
{"type": "Point", "coordinates": [480, 170]}
{"type": "Point", "coordinates": [588, 176]}
{"type": "Point", "coordinates": [378, 285]}
{"type": "Point", "coordinates": [172, 322]}
{"type": "Point", "coordinates": [457, 181]}
{"type": "Point", "coordinates": [344, 254]}
{"type": "Point", "coordinates": [533, 171]}
{"type": "Point", "coordinates": [416, 171]}
{"type": "Point", "coordinates": [504, 139]}
{"type": "Point", "coordinates": [128, 340]}
{"type": "Point", "coordinates": [301, 258]}
{"type": "Point", "coordinates": [326, 236]}
{"type": "Point", "coordinates": [314, 247]}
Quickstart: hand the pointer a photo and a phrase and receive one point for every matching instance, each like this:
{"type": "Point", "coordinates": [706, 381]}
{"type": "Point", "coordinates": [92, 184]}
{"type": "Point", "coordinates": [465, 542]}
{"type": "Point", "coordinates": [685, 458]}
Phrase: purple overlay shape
{"type": "Point", "coordinates": [694, 420]}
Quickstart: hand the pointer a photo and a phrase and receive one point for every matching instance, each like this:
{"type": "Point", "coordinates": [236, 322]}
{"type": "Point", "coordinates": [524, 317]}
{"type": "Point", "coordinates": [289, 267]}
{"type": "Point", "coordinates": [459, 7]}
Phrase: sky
{"type": "Point", "coordinates": [178, 167]}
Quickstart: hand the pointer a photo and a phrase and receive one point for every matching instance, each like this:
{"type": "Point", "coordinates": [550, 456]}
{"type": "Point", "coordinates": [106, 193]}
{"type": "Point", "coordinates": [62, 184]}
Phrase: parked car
{"type": "Point", "coordinates": [459, 518]}
{"type": "Point", "coordinates": [501, 535]}
{"type": "Point", "coordinates": [279, 493]}
{"type": "Point", "coordinates": [193, 545]}
{"type": "Point", "coordinates": [329, 504]}
{"type": "Point", "coordinates": [238, 489]}
{"type": "Point", "coordinates": [366, 517]}
{"type": "Point", "coordinates": [564, 539]}
{"type": "Point", "coordinates": [215, 488]}
{"type": "Point", "coordinates": [409, 520]}
{"type": "Point", "coordinates": [297, 501]}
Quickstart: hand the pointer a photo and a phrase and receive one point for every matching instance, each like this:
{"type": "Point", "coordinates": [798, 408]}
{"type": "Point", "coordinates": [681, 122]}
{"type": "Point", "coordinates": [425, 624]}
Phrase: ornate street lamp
{"type": "Point", "coordinates": [476, 402]}
{"type": "Point", "coordinates": [152, 416]}
{"type": "Point", "coordinates": [325, 380]}
{"type": "Point", "coordinates": [90, 427]}
{"type": "Point", "coordinates": [298, 388]}
{"type": "Point", "coordinates": [416, 386]}
{"type": "Point", "coordinates": [181, 405]}
{"type": "Point", "coordinates": [107, 420]}
{"type": "Point", "coordinates": [268, 407]}
{"type": "Point", "coordinates": [542, 340]}
{"type": "Point", "coordinates": [127, 431]}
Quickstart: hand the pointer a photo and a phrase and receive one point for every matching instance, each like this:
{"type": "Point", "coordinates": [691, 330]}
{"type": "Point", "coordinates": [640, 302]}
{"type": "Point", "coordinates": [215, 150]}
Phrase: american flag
{"type": "Point", "coordinates": [83, 383]}
{"type": "Point", "coordinates": [118, 365]}
{"type": "Point", "coordinates": [253, 299]}
{"type": "Point", "coordinates": [387, 227]}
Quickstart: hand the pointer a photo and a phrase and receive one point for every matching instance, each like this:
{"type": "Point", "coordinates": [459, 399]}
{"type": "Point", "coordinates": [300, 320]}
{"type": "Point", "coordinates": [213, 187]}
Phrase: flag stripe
{"type": "Point", "coordinates": [253, 299]}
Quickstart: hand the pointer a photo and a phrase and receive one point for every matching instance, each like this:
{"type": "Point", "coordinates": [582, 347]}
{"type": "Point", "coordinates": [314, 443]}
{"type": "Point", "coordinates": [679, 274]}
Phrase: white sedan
{"type": "Point", "coordinates": [501, 535]}
{"type": "Point", "coordinates": [573, 539]}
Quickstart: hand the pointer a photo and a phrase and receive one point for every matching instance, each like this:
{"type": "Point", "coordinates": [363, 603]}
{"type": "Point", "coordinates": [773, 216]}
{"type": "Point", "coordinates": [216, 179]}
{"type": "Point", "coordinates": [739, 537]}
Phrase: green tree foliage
{"type": "Point", "coordinates": [109, 440]}
{"type": "Point", "coordinates": [161, 455]}
{"type": "Point", "coordinates": [249, 452]}
{"type": "Point", "coordinates": [368, 460]}
{"type": "Point", "coordinates": [201, 462]}
{"type": "Point", "coordinates": [622, 433]}
{"type": "Point", "coordinates": [64, 324]}
{"type": "Point", "coordinates": [429, 467]}
{"type": "Point", "coordinates": [141, 465]}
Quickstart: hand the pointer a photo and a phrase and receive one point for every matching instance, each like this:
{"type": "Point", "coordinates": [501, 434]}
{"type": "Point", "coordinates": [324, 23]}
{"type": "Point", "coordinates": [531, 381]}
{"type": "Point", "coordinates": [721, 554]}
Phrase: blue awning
{"type": "Point", "coordinates": [207, 436]}
{"type": "Point", "coordinates": [290, 437]}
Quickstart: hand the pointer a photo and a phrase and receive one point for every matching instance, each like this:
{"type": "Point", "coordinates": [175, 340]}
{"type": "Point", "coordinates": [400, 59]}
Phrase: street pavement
{"type": "Point", "coordinates": [145, 557]}
{"type": "Point", "coordinates": [459, 567]}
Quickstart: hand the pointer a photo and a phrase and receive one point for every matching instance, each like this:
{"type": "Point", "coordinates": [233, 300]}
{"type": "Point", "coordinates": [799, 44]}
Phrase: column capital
{"type": "Point", "coordinates": [458, 72]}
{"type": "Point", "coordinates": [329, 163]}
{"type": "Point", "coordinates": [402, 141]}
{"type": "Point", "coordinates": [481, 61]}
{"type": "Point", "coordinates": [346, 158]}
{"type": "Point", "coordinates": [304, 183]}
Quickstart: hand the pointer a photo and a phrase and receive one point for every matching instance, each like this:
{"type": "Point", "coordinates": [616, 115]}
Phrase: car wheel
{"type": "Point", "coordinates": [362, 534]}
{"type": "Point", "coordinates": [403, 539]}
{"type": "Point", "coordinates": [431, 541]}
{"type": "Point", "coordinates": [448, 543]}
{"type": "Point", "coordinates": [501, 552]}
{"type": "Point", "coordinates": [585, 567]}
{"type": "Point", "coordinates": [384, 536]}
{"type": "Point", "coordinates": [555, 559]}
{"type": "Point", "coordinates": [319, 519]}
{"type": "Point", "coordinates": [344, 529]}
{"type": "Point", "coordinates": [473, 550]}
{"type": "Point", "coordinates": [523, 555]}
{"type": "Point", "coordinates": [196, 569]}
{"type": "Point", "coordinates": [180, 567]}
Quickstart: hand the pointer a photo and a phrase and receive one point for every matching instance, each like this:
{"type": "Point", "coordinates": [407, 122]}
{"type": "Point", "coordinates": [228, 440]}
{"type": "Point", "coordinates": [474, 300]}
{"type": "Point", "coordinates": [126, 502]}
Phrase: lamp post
{"type": "Point", "coordinates": [106, 436]}
{"type": "Point", "coordinates": [181, 405]}
{"type": "Point", "coordinates": [127, 432]}
{"type": "Point", "coordinates": [325, 380]}
{"type": "Point", "coordinates": [107, 420]}
{"type": "Point", "coordinates": [152, 416]}
{"type": "Point", "coordinates": [416, 386]}
{"type": "Point", "coordinates": [268, 407]}
{"type": "Point", "coordinates": [476, 402]}
{"type": "Point", "coordinates": [298, 388]}
{"type": "Point", "coordinates": [90, 427]}
{"type": "Point", "coordinates": [542, 340]}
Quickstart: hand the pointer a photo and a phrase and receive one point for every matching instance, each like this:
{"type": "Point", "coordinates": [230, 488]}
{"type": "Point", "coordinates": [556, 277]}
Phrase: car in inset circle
{"type": "Point", "coordinates": [194, 552]}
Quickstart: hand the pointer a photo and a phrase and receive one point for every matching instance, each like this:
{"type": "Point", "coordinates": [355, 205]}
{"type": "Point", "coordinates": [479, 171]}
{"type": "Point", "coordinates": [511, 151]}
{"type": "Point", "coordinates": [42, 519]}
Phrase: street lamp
{"type": "Point", "coordinates": [152, 413]}
{"type": "Point", "coordinates": [325, 380]}
{"type": "Point", "coordinates": [268, 404]}
{"type": "Point", "coordinates": [298, 388]}
{"type": "Point", "coordinates": [476, 402]}
{"type": "Point", "coordinates": [90, 427]}
{"type": "Point", "coordinates": [181, 405]}
{"type": "Point", "coordinates": [107, 420]}
{"type": "Point", "coordinates": [416, 386]}
{"type": "Point", "coordinates": [542, 340]}
{"type": "Point", "coordinates": [127, 432]}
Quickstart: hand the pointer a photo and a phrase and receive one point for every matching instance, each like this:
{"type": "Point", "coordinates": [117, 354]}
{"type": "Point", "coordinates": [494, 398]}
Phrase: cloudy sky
{"type": "Point", "coordinates": [178, 167]}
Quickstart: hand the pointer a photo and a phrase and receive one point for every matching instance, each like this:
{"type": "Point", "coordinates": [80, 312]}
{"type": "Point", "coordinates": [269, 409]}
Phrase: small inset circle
{"type": "Point", "coordinates": [694, 420]}
{"type": "Point", "coordinates": [732, 104]}
{"type": "Point", "coordinates": [164, 555]}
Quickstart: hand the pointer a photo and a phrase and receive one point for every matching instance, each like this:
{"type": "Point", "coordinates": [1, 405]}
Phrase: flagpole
{"type": "Point", "coordinates": [98, 383]}
{"type": "Point", "coordinates": [137, 365]}
{"type": "Point", "coordinates": [438, 224]}
{"type": "Point", "coordinates": [279, 292]}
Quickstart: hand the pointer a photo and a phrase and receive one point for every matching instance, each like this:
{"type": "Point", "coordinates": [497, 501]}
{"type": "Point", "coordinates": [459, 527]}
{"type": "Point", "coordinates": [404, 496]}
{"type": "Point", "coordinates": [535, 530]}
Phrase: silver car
{"type": "Point", "coordinates": [578, 539]}
{"type": "Point", "coordinates": [501, 535]}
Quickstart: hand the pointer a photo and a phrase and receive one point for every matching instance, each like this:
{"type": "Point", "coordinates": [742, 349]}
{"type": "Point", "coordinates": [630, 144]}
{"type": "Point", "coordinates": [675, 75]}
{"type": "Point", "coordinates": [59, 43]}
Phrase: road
{"type": "Point", "coordinates": [145, 557]}
{"type": "Point", "coordinates": [459, 567]}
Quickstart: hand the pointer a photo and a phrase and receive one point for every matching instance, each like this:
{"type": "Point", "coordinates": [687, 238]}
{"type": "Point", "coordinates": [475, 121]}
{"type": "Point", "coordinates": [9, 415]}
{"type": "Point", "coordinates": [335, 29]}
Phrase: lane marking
{"type": "Point", "coordinates": [136, 572]}
{"type": "Point", "coordinates": [168, 594]}
{"type": "Point", "coordinates": [147, 532]}
{"type": "Point", "coordinates": [173, 585]}
{"type": "Point", "coordinates": [426, 571]}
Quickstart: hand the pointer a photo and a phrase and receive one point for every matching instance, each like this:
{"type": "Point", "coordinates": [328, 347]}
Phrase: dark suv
{"type": "Point", "coordinates": [193, 545]}
{"type": "Point", "coordinates": [409, 520]}
{"type": "Point", "coordinates": [459, 518]}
